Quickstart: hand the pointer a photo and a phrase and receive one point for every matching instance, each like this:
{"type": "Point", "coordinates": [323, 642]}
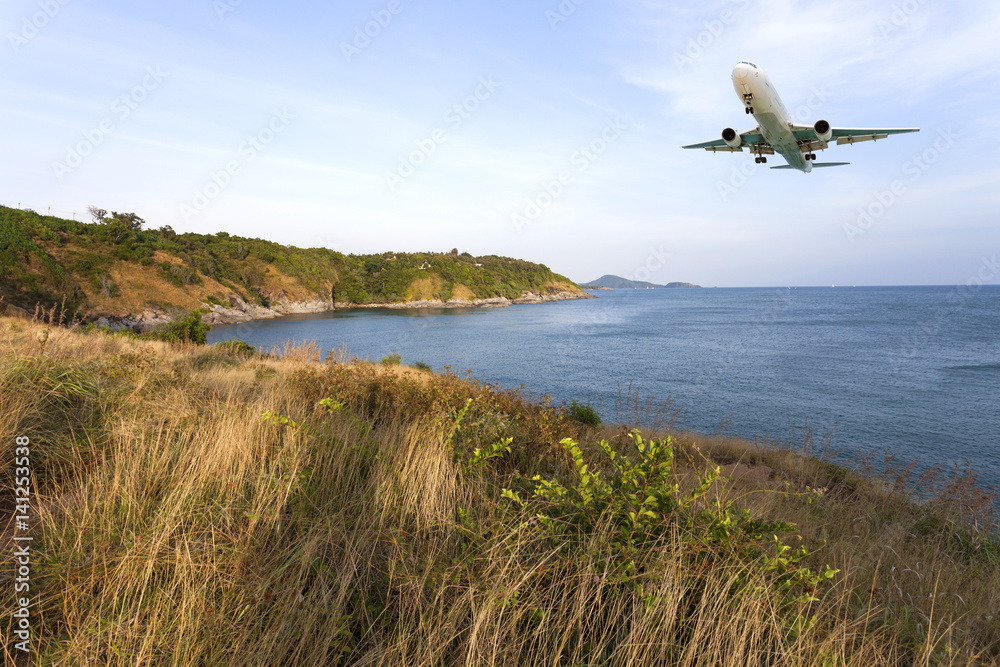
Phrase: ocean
{"type": "Point", "coordinates": [911, 369]}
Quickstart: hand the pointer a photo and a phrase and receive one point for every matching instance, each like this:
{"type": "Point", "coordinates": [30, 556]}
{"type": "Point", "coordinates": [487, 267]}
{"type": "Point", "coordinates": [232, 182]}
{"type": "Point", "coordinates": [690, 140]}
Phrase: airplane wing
{"type": "Point", "coordinates": [806, 135]}
{"type": "Point", "coordinates": [752, 138]}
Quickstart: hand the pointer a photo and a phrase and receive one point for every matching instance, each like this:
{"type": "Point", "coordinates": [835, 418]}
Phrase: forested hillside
{"type": "Point", "coordinates": [115, 265]}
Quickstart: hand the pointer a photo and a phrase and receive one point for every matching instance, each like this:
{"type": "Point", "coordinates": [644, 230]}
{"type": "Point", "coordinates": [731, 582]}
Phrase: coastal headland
{"type": "Point", "coordinates": [116, 272]}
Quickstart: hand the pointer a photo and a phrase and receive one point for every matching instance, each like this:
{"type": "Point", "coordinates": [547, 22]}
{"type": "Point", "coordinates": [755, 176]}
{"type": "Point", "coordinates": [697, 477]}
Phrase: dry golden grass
{"type": "Point", "coordinates": [424, 288]}
{"type": "Point", "coordinates": [176, 525]}
{"type": "Point", "coordinates": [286, 287]}
{"type": "Point", "coordinates": [462, 293]}
{"type": "Point", "coordinates": [139, 286]}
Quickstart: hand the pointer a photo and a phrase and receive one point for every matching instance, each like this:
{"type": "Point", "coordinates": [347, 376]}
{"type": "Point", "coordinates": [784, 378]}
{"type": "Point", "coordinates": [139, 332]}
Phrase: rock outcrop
{"type": "Point", "coordinates": [492, 302]}
{"type": "Point", "coordinates": [239, 310]}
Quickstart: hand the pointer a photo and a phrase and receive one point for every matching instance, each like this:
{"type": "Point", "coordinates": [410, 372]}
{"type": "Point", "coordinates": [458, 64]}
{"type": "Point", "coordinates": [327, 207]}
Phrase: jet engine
{"type": "Point", "coordinates": [823, 130]}
{"type": "Point", "coordinates": [732, 139]}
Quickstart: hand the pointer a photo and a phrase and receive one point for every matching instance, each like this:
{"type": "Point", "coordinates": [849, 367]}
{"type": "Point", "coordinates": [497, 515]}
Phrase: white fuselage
{"type": "Point", "coordinates": [757, 94]}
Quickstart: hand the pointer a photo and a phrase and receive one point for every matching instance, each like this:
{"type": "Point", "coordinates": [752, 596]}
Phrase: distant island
{"type": "Point", "coordinates": [617, 282]}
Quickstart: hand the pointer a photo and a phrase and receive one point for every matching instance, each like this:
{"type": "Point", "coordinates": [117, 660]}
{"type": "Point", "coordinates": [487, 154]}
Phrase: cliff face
{"type": "Point", "coordinates": [238, 310]}
{"type": "Point", "coordinates": [555, 294]}
{"type": "Point", "coordinates": [120, 276]}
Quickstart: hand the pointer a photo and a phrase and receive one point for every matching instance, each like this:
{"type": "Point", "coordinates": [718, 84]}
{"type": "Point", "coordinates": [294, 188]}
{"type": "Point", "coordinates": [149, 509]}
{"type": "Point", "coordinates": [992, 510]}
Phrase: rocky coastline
{"type": "Point", "coordinates": [239, 310]}
{"type": "Point", "coordinates": [492, 302]}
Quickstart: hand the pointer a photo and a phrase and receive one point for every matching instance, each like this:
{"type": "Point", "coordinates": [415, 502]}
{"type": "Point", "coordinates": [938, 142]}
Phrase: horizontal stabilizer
{"type": "Point", "coordinates": [815, 164]}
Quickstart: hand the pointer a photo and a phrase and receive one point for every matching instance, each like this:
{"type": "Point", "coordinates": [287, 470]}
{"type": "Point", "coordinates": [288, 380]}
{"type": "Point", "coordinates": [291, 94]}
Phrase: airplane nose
{"type": "Point", "coordinates": [740, 71]}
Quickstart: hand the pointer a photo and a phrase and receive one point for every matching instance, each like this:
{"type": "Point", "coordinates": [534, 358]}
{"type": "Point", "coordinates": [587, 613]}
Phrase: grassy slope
{"type": "Point", "coordinates": [176, 525]}
{"type": "Point", "coordinates": [46, 260]}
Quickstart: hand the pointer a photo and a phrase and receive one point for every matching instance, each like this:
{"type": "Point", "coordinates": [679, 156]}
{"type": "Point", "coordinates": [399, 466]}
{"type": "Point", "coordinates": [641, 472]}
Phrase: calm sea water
{"type": "Point", "coordinates": [916, 369]}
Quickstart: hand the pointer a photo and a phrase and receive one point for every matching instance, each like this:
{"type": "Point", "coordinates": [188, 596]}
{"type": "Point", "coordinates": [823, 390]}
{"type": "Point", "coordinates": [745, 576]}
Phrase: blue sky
{"type": "Point", "coordinates": [549, 131]}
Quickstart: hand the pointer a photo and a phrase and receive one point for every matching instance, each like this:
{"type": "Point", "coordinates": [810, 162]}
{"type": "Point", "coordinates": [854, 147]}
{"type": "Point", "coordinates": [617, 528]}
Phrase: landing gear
{"type": "Point", "coordinates": [810, 156]}
{"type": "Point", "coordinates": [749, 110]}
{"type": "Point", "coordinates": [760, 160]}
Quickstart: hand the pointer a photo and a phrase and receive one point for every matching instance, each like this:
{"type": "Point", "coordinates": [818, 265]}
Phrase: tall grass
{"type": "Point", "coordinates": [213, 506]}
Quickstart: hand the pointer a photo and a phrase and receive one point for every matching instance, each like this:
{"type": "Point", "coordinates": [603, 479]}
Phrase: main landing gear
{"type": "Point", "coordinates": [810, 156]}
{"type": "Point", "coordinates": [760, 160]}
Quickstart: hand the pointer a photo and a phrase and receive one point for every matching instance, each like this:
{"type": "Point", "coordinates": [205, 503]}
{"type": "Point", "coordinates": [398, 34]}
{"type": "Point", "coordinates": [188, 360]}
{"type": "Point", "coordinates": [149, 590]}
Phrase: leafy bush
{"type": "Point", "coordinates": [422, 366]}
{"type": "Point", "coordinates": [645, 509]}
{"type": "Point", "coordinates": [394, 359]}
{"type": "Point", "coordinates": [237, 347]}
{"type": "Point", "coordinates": [186, 328]}
{"type": "Point", "coordinates": [103, 283]}
{"type": "Point", "coordinates": [583, 413]}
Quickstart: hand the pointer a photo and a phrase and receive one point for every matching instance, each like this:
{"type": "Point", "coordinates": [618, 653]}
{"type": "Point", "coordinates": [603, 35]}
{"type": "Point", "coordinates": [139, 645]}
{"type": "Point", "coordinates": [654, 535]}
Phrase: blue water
{"type": "Point", "coordinates": [916, 369]}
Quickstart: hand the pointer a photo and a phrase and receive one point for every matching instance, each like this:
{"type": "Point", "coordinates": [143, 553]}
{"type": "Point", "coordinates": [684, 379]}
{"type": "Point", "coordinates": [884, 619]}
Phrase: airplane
{"type": "Point", "coordinates": [776, 133]}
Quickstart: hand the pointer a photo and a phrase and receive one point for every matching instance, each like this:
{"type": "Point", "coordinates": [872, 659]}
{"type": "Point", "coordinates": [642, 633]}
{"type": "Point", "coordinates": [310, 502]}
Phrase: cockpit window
{"type": "Point", "coordinates": [747, 62]}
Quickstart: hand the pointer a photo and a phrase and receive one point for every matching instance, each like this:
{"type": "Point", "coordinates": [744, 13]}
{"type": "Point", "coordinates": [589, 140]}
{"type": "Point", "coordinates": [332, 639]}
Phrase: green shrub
{"type": "Point", "coordinates": [646, 508]}
{"type": "Point", "coordinates": [237, 347]}
{"type": "Point", "coordinates": [393, 359]}
{"type": "Point", "coordinates": [186, 328]}
{"type": "Point", "coordinates": [422, 366]}
{"type": "Point", "coordinates": [583, 413]}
